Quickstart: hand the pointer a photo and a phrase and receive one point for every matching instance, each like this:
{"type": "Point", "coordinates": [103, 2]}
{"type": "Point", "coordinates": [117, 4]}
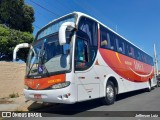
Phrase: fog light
{"type": "Point", "coordinates": [66, 95]}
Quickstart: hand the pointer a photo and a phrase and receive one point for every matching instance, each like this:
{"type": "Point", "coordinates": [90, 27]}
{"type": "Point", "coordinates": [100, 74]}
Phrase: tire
{"type": "Point", "coordinates": [149, 87]}
{"type": "Point", "coordinates": [158, 84]}
{"type": "Point", "coordinates": [110, 94]}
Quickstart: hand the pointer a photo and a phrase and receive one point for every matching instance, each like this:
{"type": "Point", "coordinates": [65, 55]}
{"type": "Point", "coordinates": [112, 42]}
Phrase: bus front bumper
{"type": "Point", "coordinates": [64, 95]}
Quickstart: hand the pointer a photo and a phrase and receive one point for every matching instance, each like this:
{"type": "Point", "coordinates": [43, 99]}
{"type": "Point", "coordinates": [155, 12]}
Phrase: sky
{"type": "Point", "coordinates": [136, 20]}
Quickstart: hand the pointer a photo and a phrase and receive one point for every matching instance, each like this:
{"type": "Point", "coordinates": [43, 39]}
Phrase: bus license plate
{"type": "Point", "coordinates": [37, 96]}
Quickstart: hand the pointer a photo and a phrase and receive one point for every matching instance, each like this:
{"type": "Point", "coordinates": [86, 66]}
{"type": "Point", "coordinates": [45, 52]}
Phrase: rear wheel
{"type": "Point", "coordinates": [149, 86]}
{"type": "Point", "coordinates": [158, 83]}
{"type": "Point", "coordinates": [110, 94]}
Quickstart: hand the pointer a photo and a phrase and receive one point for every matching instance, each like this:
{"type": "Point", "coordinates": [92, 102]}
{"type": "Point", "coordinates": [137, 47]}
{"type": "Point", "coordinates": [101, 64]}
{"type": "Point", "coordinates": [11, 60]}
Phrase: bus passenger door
{"type": "Point", "coordinates": [85, 76]}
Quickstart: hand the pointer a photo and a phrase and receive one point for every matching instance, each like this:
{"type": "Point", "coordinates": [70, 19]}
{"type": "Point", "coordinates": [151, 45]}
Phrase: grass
{"type": "Point", "coordinates": [14, 95]}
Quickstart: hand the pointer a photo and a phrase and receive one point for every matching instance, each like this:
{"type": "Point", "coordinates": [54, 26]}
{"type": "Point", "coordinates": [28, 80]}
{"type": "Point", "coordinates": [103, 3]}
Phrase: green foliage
{"type": "Point", "coordinates": [16, 15]}
{"type": "Point", "coordinates": [9, 38]}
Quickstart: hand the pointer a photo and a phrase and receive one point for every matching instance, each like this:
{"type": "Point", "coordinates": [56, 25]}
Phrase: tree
{"type": "Point", "coordinates": [9, 38]}
{"type": "Point", "coordinates": [16, 15]}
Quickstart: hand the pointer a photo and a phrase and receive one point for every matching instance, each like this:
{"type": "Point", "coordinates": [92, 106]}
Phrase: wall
{"type": "Point", "coordinates": [11, 78]}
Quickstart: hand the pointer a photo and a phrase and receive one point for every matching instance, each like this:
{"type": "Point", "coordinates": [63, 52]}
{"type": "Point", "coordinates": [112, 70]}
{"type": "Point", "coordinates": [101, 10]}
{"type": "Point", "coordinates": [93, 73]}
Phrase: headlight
{"type": "Point", "coordinates": [25, 87]}
{"type": "Point", "coordinates": [61, 85]}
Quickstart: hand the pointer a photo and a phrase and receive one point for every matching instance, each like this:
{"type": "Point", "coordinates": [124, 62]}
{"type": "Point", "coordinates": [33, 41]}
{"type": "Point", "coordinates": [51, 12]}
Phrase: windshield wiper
{"type": "Point", "coordinates": [30, 69]}
{"type": "Point", "coordinates": [42, 59]}
{"type": "Point", "coordinates": [47, 73]}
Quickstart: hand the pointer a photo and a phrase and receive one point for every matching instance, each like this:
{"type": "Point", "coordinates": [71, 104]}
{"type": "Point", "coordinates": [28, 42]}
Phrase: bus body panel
{"type": "Point", "coordinates": [104, 72]}
{"type": "Point", "coordinates": [87, 91]}
{"type": "Point", "coordinates": [87, 84]}
{"type": "Point", "coordinates": [53, 96]}
{"type": "Point", "coordinates": [129, 73]}
{"type": "Point", "coordinates": [124, 85]}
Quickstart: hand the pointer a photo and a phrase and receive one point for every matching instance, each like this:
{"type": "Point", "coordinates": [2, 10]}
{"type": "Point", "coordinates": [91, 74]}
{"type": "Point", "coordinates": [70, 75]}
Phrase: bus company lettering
{"type": "Point", "coordinates": [138, 66]}
{"type": "Point", "coordinates": [128, 63]}
{"type": "Point", "coordinates": [54, 81]}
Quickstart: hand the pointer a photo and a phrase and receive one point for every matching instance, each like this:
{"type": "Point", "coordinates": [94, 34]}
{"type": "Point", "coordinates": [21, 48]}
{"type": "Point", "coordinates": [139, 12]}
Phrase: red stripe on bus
{"type": "Point", "coordinates": [128, 68]}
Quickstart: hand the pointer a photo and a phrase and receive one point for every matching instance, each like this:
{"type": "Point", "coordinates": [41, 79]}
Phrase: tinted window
{"type": "Point", "coordinates": [81, 54]}
{"type": "Point", "coordinates": [111, 41]}
{"type": "Point", "coordinates": [120, 45]}
{"type": "Point", "coordinates": [90, 27]}
{"type": "Point", "coordinates": [130, 51]}
{"type": "Point", "coordinates": [107, 39]}
{"type": "Point", "coordinates": [137, 54]}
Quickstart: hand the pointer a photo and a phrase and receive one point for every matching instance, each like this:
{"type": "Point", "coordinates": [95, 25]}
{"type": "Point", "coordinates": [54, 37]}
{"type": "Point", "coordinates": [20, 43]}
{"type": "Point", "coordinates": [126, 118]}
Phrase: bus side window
{"type": "Point", "coordinates": [81, 55]}
{"type": "Point", "coordinates": [90, 27]}
{"type": "Point", "coordinates": [104, 38]}
{"type": "Point", "coordinates": [120, 46]}
{"type": "Point", "coordinates": [142, 56]}
{"type": "Point", "coordinates": [85, 28]}
{"type": "Point", "coordinates": [131, 51]}
{"type": "Point", "coordinates": [128, 51]}
{"type": "Point", "coordinates": [137, 54]}
{"type": "Point", "coordinates": [107, 39]}
{"type": "Point", "coordinates": [112, 41]}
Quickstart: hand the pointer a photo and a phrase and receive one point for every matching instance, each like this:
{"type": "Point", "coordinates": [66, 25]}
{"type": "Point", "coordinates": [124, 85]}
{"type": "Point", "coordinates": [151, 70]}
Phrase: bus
{"type": "Point", "coordinates": [76, 58]}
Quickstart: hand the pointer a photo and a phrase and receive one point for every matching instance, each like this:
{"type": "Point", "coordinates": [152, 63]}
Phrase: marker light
{"type": "Point", "coordinates": [61, 85]}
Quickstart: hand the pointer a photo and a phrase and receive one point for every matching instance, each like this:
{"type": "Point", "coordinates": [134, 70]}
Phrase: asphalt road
{"type": "Point", "coordinates": [126, 107]}
{"type": "Point", "coordinates": [132, 102]}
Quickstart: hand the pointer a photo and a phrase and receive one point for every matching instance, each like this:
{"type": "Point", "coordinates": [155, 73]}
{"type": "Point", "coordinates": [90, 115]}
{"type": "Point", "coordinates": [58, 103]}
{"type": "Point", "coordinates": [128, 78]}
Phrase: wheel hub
{"type": "Point", "coordinates": [110, 92]}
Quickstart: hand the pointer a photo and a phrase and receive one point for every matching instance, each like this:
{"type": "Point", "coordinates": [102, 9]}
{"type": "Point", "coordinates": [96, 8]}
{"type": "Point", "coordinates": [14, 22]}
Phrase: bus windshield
{"type": "Point", "coordinates": [46, 56]}
{"type": "Point", "coordinates": [54, 27]}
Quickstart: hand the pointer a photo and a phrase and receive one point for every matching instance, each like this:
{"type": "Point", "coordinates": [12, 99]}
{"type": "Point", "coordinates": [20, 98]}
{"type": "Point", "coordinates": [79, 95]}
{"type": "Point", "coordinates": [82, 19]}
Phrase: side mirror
{"type": "Point", "coordinates": [19, 46]}
{"type": "Point", "coordinates": [62, 31]}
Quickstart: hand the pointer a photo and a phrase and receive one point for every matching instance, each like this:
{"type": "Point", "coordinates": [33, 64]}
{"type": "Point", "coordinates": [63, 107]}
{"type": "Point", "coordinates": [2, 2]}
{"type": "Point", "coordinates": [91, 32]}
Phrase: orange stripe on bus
{"type": "Point", "coordinates": [43, 83]}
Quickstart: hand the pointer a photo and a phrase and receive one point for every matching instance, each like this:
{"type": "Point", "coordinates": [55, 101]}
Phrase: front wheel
{"type": "Point", "coordinates": [110, 94]}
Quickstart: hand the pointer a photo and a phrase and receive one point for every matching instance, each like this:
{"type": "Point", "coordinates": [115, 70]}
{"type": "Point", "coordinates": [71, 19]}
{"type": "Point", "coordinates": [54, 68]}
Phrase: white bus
{"type": "Point", "coordinates": [76, 58]}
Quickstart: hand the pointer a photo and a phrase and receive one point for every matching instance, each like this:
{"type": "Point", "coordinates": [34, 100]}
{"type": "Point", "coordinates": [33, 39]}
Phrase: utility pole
{"type": "Point", "coordinates": [155, 61]}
